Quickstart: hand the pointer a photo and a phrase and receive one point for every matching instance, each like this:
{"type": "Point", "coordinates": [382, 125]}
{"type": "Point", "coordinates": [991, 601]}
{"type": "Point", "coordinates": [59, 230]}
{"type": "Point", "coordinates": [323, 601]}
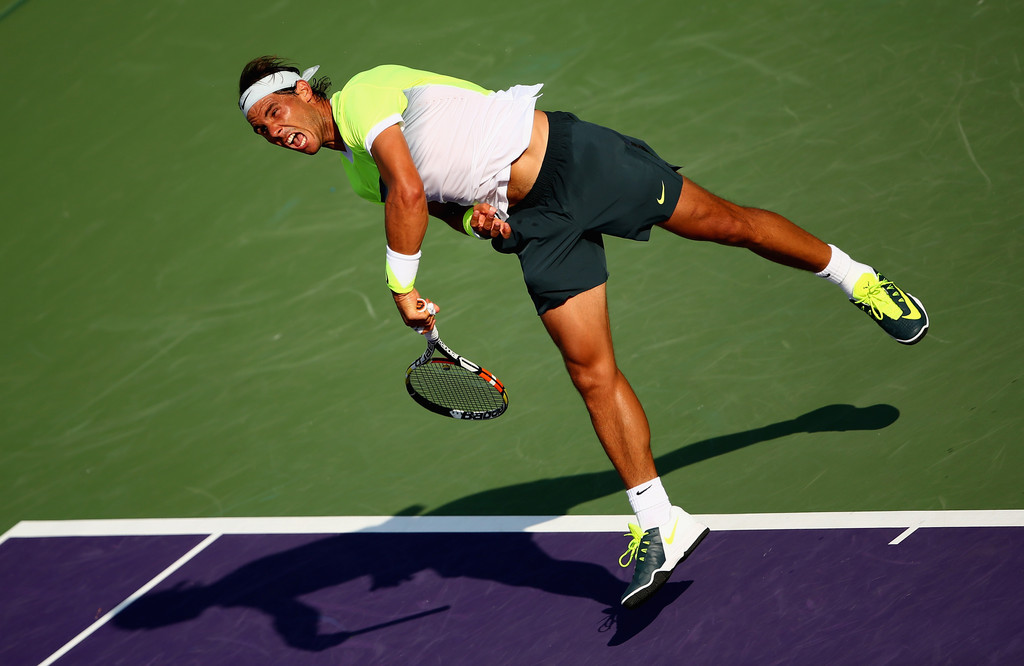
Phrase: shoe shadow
{"type": "Point", "coordinates": [275, 584]}
{"type": "Point", "coordinates": [627, 624]}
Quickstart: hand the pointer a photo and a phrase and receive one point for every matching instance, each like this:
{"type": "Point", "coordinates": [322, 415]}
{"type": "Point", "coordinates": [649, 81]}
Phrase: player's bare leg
{"type": "Point", "coordinates": [700, 215]}
{"type": "Point", "coordinates": [666, 534]}
{"type": "Point", "coordinates": [582, 332]}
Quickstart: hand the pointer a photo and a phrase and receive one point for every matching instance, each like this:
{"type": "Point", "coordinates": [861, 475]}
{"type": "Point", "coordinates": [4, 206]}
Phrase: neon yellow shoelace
{"type": "Point", "coordinates": [877, 298]}
{"type": "Point", "coordinates": [634, 546]}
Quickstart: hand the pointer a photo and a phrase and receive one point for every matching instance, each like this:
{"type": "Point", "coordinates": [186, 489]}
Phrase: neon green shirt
{"type": "Point", "coordinates": [371, 102]}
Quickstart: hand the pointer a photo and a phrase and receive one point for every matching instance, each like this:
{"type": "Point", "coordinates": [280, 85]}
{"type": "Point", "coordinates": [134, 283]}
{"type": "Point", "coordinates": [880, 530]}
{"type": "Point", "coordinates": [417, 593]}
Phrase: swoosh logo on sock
{"type": "Point", "coordinates": [641, 492]}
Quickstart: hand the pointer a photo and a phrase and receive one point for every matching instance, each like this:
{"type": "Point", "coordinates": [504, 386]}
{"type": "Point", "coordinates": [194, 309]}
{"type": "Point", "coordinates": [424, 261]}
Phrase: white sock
{"type": "Point", "coordinates": [650, 503]}
{"type": "Point", "coordinates": [844, 271]}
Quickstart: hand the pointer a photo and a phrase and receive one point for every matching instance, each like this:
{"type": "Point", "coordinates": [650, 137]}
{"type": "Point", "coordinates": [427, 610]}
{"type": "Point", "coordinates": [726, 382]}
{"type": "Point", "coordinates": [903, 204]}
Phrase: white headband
{"type": "Point", "coordinates": [271, 83]}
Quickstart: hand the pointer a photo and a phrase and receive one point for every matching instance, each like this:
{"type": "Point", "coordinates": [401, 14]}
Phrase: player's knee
{"type": "Point", "coordinates": [593, 376]}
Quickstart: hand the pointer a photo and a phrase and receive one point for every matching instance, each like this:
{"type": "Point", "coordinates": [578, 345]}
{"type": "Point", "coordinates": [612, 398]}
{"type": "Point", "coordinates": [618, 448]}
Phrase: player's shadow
{"type": "Point", "coordinates": [275, 584]}
{"type": "Point", "coordinates": [557, 496]}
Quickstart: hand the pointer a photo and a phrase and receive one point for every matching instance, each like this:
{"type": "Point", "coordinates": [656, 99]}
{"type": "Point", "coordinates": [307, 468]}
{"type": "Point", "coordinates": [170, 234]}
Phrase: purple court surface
{"type": "Point", "coordinates": [840, 595]}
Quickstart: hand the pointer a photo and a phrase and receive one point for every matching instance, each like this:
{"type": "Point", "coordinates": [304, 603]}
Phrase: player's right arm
{"type": "Point", "coordinates": [405, 221]}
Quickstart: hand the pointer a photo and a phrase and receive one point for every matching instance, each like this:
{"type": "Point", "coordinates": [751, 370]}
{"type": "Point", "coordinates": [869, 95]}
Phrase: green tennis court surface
{"type": "Point", "coordinates": [196, 324]}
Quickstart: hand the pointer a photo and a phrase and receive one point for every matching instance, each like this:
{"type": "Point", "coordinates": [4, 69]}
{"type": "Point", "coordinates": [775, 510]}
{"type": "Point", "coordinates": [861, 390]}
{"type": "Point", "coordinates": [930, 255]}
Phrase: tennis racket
{"type": "Point", "coordinates": [454, 386]}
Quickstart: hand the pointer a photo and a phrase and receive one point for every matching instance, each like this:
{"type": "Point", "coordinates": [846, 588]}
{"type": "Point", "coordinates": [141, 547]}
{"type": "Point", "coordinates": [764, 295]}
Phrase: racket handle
{"type": "Point", "coordinates": [431, 334]}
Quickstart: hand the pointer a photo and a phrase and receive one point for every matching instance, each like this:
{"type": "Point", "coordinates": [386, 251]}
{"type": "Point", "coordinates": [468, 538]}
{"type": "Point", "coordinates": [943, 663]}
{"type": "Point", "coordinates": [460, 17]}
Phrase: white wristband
{"type": "Point", "coordinates": [401, 270]}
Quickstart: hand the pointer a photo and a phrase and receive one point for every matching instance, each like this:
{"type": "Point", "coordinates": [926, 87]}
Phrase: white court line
{"type": "Point", "coordinates": [486, 524]}
{"type": "Point", "coordinates": [124, 604]}
{"type": "Point", "coordinates": [903, 535]}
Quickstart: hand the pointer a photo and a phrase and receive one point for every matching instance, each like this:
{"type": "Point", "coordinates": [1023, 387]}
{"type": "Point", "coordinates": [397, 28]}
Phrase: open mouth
{"type": "Point", "coordinates": [296, 140]}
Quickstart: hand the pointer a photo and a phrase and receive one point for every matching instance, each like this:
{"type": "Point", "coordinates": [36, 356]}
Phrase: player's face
{"type": "Point", "coordinates": [288, 120]}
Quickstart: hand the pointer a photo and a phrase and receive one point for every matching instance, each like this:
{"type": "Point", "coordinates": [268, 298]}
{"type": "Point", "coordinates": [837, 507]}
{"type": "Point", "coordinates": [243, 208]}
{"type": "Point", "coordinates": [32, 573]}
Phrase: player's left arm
{"type": "Point", "coordinates": [449, 213]}
{"type": "Point", "coordinates": [481, 220]}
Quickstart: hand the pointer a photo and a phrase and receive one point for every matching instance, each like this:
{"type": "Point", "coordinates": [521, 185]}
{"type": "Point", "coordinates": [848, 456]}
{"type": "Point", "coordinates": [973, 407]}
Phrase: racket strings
{"type": "Point", "coordinates": [453, 387]}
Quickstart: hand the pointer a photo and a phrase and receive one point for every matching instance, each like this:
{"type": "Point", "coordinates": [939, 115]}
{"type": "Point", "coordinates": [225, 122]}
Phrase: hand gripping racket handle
{"type": "Point", "coordinates": [432, 335]}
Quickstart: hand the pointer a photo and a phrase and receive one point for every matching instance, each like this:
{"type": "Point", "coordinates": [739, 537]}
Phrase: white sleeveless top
{"type": "Point", "coordinates": [464, 142]}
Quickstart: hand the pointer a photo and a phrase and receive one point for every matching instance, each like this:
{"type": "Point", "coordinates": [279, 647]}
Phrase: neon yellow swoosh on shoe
{"type": "Point", "coordinates": [672, 537]}
{"type": "Point", "coordinates": [914, 312]}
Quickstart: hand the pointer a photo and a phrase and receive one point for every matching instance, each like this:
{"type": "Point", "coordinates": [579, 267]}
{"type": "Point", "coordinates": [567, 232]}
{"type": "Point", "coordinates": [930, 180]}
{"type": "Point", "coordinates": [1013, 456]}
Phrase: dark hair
{"type": "Point", "coordinates": [264, 65]}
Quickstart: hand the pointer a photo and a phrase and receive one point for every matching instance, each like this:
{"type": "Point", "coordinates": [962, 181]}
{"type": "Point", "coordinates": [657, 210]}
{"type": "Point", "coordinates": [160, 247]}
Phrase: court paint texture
{"type": "Point", "coordinates": [196, 324]}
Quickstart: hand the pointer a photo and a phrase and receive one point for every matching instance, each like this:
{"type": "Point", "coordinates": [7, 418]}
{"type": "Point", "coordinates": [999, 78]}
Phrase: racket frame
{"type": "Point", "coordinates": [435, 344]}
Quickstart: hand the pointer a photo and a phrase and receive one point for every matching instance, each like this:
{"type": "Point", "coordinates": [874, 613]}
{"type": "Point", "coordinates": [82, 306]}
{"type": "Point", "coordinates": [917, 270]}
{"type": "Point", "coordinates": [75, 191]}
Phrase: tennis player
{"type": "Point", "coordinates": [546, 187]}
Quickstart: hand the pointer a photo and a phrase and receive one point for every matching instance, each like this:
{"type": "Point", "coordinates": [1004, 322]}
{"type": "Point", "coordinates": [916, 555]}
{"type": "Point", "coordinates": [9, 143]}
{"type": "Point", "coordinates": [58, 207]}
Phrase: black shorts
{"type": "Point", "coordinates": [593, 181]}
